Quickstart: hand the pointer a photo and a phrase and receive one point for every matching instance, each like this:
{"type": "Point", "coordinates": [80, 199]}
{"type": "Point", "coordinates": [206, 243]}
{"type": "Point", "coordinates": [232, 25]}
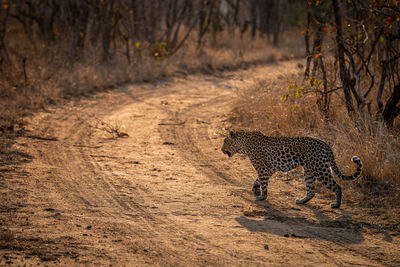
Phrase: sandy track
{"type": "Point", "coordinates": [166, 195]}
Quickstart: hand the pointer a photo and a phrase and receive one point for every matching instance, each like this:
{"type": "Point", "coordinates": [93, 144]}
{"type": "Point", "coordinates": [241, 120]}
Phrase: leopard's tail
{"type": "Point", "coordinates": [351, 177]}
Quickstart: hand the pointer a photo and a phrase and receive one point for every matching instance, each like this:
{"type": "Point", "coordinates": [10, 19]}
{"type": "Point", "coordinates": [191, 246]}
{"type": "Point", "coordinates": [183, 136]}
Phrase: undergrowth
{"type": "Point", "coordinates": [262, 107]}
{"type": "Point", "coordinates": [37, 76]}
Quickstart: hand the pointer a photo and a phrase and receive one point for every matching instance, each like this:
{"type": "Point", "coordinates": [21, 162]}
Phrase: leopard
{"type": "Point", "coordinates": [272, 154]}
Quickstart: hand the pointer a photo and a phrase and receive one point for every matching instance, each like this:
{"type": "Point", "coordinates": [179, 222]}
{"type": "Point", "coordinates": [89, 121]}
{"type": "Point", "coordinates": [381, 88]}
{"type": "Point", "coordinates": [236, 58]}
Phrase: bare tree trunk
{"type": "Point", "coordinates": [107, 21]}
{"type": "Point", "coordinates": [77, 17]}
{"type": "Point", "coordinates": [45, 18]}
{"type": "Point", "coordinates": [254, 19]}
{"type": "Point", "coordinates": [3, 26]}
{"type": "Point", "coordinates": [385, 65]}
{"type": "Point", "coordinates": [280, 7]}
{"type": "Point", "coordinates": [344, 74]}
{"type": "Point", "coordinates": [324, 107]}
{"type": "Point", "coordinates": [307, 43]}
{"type": "Point", "coordinates": [316, 49]}
{"type": "Point", "coordinates": [391, 109]}
{"type": "Point", "coordinates": [205, 16]}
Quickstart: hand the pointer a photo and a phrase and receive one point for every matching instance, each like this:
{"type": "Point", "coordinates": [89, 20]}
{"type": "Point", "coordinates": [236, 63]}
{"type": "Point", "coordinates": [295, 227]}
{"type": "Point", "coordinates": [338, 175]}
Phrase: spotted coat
{"type": "Point", "coordinates": [271, 154]}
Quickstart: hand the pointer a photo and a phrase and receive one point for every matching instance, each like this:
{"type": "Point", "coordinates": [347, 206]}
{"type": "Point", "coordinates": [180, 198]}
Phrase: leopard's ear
{"type": "Point", "coordinates": [232, 134]}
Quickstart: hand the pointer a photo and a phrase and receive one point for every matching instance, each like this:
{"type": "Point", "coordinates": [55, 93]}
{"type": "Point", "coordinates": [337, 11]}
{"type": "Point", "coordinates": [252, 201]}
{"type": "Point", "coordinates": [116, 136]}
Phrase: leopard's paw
{"type": "Point", "coordinates": [335, 205]}
{"type": "Point", "coordinates": [260, 198]}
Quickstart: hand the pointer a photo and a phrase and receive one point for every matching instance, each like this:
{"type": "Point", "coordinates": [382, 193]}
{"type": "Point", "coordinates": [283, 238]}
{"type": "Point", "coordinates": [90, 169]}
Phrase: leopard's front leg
{"type": "Point", "coordinates": [260, 188]}
{"type": "Point", "coordinates": [256, 187]}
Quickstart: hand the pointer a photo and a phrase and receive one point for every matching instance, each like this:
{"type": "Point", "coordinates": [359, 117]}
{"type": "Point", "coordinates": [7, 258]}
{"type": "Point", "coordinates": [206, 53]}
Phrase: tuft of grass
{"type": "Point", "coordinates": [260, 107]}
{"type": "Point", "coordinates": [113, 129]}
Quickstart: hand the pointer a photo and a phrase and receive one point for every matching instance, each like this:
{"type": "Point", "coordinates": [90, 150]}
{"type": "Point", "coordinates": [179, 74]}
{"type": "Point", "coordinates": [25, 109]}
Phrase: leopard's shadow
{"type": "Point", "coordinates": [346, 221]}
{"type": "Point", "coordinates": [343, 230]}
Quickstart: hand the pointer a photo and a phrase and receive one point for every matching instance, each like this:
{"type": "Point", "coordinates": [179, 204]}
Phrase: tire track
{"type": "Point", "coordinates": [93, 190]}
{"type": "Point", "coordinates": [101, 180]}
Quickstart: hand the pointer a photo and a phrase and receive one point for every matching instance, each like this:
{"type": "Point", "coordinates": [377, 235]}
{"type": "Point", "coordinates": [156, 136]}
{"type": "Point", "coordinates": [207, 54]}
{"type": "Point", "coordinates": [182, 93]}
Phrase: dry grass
{"type": "Point", "coordinates": [45, 79]}
{"type": "Point", "coordinates": [260, 107]}
{"type": "Point", "coordinates": [230, 52]}
{"type": "Point", "coordinates": [113, 129]}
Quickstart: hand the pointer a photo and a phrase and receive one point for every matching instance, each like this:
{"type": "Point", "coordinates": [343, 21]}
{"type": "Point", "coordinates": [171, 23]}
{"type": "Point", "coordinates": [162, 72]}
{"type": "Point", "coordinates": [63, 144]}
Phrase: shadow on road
{"type": "Point", "coordinates": [9, 155]}
{"type": "Point", "coordinates": [342, 230]}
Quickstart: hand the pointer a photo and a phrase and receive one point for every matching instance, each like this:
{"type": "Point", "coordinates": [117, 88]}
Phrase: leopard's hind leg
{"type": "Point", "coordinates": [309, 176]}
{"type": "Point", "coordinates": [326, 177]}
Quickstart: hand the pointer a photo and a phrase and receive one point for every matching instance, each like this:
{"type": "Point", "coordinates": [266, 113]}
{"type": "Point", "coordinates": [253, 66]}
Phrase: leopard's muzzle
{"type": "Point", "coordinates": [227, 152]}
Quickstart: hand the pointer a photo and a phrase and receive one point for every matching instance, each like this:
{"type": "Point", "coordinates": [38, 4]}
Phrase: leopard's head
{"type": "Point", "coordinates": [233, 144]}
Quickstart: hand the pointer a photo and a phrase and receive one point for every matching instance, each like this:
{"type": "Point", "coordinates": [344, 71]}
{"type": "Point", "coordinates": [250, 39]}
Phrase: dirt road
{"type": "Point", "coordinates": [165, 195]}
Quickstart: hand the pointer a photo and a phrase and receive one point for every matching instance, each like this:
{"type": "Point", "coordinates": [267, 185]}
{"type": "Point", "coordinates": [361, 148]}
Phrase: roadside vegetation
{"type": "Point", "coordinates": [52, 50]}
